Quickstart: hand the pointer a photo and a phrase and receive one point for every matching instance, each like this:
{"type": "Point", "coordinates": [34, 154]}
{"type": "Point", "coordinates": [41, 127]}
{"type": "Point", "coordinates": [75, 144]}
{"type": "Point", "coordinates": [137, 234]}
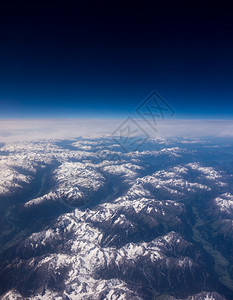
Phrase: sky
{"type": "Point", "coordinates": [84, 59]}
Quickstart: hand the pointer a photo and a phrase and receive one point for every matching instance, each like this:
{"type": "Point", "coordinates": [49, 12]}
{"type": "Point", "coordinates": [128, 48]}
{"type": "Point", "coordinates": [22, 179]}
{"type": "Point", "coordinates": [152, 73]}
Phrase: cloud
{"type": "Point", "coordinates": [31, 129]}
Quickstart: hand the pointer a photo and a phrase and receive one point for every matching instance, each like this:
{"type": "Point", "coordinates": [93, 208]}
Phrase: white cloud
{"type": "Point", "coordinates": [30, 129]}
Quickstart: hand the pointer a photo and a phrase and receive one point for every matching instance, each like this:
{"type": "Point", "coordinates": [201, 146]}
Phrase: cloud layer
{"type": "Point", "coordinates": [30, 129]}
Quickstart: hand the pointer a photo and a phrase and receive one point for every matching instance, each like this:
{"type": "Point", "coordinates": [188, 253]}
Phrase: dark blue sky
{"type": "Point", "coordinates": [103, 59]}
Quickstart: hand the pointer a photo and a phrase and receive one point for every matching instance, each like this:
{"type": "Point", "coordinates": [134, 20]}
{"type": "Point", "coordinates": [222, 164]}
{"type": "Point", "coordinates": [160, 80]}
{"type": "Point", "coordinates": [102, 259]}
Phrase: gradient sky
{"type": "Point", "coordinates": [102, 59]}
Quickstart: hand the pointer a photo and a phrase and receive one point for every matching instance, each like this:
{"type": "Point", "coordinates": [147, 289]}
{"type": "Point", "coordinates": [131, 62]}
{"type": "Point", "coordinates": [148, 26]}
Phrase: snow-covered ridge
{"type": "Point", "coordinates": [86, 257]}
{"type": "Point", "coordinates": [208, 171]}
{"type": "Point", "coordinates": [127, 170]}
{"type": "Point", "coordinates": [29, 156]}
{"type": "Point", "coordinates": [11, 180]}
{"type": "Point", "coordinates": [225, 203]}
{"type": "Point", "coordinates": [92, 252]}
{"type": "Point", "coordinates": [76, 180]}
{"type": "Point", "coordinates": [52, 196]}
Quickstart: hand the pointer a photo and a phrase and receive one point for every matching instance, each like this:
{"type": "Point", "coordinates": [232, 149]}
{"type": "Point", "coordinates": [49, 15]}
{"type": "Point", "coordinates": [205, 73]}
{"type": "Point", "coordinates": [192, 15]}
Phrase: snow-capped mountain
{"type": "Point", "coordinates": [82, 219]}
